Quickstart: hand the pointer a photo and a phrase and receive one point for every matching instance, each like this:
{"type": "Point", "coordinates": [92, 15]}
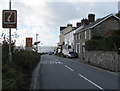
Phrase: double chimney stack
{"type": "Point", "coordinates": [91, 18]}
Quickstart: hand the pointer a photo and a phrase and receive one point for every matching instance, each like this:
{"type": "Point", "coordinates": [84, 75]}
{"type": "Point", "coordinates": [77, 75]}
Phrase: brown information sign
{"type": "Point", "coordinates": [28, 42]}
{"type": "Point", "coordinates": [9, 19]}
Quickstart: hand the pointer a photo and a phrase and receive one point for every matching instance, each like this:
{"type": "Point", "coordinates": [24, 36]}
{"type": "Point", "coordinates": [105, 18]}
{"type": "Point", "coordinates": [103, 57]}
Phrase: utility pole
{"type": "Point", "coordinates": [10, 53]}
{"type": "Point", "coordinates": [36, 41]}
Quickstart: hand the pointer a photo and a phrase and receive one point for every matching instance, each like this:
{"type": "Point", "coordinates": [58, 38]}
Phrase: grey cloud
{"type": "Point", "coordinates": [65, 11]}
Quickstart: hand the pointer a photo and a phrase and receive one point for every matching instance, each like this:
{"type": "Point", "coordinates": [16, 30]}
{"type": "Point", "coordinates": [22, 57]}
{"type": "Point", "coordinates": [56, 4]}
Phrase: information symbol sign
{"type": "Point", "coordinates": [9, 19]}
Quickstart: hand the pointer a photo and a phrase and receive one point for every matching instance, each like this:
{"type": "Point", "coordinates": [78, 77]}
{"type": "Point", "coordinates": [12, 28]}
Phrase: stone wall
{"type": "Point", "coordinates": [106, 60]}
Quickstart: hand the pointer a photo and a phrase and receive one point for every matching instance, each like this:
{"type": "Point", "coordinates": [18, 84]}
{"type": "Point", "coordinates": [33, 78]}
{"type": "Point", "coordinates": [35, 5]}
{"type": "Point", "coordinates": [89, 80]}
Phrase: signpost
{"type": "Point", "coordinates": [9, 20]}
{"type": "Point", "coordinates": [28, 42]}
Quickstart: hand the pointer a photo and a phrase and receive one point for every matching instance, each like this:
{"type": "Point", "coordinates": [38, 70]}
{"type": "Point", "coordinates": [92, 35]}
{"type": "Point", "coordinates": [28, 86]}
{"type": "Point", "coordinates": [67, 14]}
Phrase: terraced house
{"type": "Point", "coordinates": [63, 32]}
{"type": "Point", "coordinates": [91, 28]}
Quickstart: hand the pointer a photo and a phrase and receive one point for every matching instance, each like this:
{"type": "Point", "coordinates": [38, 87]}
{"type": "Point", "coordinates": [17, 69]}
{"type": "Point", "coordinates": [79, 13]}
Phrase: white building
{"type": "Point", "coordinates": [69, 42]}
{"type": "Point", "coordinates": [69, 39]}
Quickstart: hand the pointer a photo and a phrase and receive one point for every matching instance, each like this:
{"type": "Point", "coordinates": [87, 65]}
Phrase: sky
{"type": "Point", "coordinates": [44, 17]}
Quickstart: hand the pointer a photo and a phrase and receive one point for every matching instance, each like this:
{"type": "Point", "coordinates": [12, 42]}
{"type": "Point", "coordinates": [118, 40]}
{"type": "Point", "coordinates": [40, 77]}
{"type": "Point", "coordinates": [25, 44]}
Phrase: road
{"type": "Point", "coordinates": [62, 73]}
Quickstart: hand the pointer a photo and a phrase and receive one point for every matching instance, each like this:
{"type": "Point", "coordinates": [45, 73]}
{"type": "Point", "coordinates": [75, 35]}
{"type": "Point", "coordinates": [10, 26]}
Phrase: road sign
{"type": "Point", "coordinates": [9, 19]}
{"type": "Point", "coordinates": [28, 42]}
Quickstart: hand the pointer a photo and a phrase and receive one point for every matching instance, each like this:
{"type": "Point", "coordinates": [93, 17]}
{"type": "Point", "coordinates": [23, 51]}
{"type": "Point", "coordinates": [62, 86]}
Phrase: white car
{"type": "Point", "coordinates": [72, 55]}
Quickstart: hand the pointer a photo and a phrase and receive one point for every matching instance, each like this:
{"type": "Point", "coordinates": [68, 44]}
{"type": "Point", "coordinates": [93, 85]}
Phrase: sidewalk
{"type": "Point", "coordinates": [84, 62]}
{"type": "Point", "coordinates": [79, 60]}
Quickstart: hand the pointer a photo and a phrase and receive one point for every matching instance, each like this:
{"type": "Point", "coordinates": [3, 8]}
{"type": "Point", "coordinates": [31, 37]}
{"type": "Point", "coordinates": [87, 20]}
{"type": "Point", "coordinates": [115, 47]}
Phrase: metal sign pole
{"type": "Point", "coordinates": [10, 53]}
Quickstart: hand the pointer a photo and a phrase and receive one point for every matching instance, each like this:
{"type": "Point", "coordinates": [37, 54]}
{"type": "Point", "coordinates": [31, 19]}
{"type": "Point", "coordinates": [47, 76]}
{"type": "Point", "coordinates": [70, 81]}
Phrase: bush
{"type": "Point", "coordinates": [107, 43]}
{"type": "Point", "coordinates": [25, 59]}
{"type": "Point", "coordinates": [96, 37]}
{"type": "Point", "coordinates": [17, 75]}
{"type": "Point", "coordinates": [91, 45]}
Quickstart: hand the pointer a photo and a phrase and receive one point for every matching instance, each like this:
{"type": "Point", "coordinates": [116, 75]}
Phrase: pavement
{"type": "Point", "coordinates": [54, 72]}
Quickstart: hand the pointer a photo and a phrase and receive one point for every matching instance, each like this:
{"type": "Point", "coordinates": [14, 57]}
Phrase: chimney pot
{"type": "Point", "coordinates": [69, 25]}
{"type": "Point", "coordinates": [85, 21]}
{"type": "Point", "coordinates": [91, 17]}
{"type": "Point", "coordinates": [78, 24]}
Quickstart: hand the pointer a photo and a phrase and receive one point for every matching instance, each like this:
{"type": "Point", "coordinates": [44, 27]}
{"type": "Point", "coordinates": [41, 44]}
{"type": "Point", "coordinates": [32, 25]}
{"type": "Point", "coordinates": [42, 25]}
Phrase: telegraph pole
{"type": "Point", "coordinates": [10, 53]}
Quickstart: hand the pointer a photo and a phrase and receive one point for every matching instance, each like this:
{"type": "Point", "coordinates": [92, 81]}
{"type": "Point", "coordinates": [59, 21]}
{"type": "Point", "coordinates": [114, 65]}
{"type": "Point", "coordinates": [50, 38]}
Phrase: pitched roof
{"type": "Point", "coordinates": [73, 28]}
{"type": "Point", "coordinates": [97, 22]}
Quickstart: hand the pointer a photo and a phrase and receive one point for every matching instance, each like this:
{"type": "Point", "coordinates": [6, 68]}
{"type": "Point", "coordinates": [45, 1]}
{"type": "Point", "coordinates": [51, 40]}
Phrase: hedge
{"type": "Point", "coordinates": [17, 75]}
{"type": "Point", "coordinates": [106, 43]}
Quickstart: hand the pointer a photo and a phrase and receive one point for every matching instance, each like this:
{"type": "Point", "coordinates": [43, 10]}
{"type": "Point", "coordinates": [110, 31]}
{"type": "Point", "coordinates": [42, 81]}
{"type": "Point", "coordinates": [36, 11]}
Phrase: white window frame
{"type": "Point", "coordinates": [79, 36]}
{"type": "Point", "coordinates": [76, 47]}
{"type": "Point", "coordinates": [89, 34]}
{"type": "Point", "coordinates": [85, 34]}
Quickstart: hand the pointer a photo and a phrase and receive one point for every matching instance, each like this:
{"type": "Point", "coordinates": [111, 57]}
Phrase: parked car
{"type": "Point", "coordinates": [72, 55]}
{"type": "Point", "coordinates": [50, 53]}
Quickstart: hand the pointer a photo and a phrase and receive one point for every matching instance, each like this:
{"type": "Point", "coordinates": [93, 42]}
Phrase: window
{"type": "Point", "coordinates": [75, 47]}
{"type": "Point", "coordinates": [79, 47]}
{"type": "Point", "coordinates": [89, 34]}
{"type": "Point", "coordinates": [76, 36]}
{"type": "Point", "coordinates": [79, 36]}
{"type": "Point", "coordinates": [85, 35]}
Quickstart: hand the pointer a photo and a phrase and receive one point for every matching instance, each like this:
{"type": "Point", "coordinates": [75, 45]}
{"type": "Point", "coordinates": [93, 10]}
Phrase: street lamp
{"type": "Point", "coordinates": [37, 42]}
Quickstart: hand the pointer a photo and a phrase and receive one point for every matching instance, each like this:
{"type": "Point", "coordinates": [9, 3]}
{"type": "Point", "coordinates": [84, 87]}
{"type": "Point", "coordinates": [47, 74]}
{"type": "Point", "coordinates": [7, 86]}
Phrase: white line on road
{"type": "Point", "coordinates": [91, 82]}
{"type": "Point", "coordinates": [69, 68]}
{"type": "Point", "coordinates": [56, 60]}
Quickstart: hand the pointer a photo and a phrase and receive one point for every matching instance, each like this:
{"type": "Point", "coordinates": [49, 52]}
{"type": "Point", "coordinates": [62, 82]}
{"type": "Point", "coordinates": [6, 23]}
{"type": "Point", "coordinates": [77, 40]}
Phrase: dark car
{"type": "Point", "coordinates": [72, 55]}
{"type": "Point", "coordinates": [50, 53]}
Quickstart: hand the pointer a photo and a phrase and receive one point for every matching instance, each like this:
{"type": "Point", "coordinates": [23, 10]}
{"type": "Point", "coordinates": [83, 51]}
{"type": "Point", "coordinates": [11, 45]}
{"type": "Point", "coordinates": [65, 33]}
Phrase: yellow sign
{"type": "Point", "coordinates": [28, 42]}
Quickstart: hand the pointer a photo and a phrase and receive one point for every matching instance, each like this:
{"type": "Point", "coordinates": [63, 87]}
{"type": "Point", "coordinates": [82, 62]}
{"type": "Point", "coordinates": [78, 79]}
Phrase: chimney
{"type": "Point", "coordinates": [62, 28]}
{"type": "Point", "coordinates": [69, 25]}
{"type": "Point", "coordinates": [78, 24]}
{"type": "Point", "coordinates": [82, 21]}
{"type": "Point", "coordinates": [91, 17]}
{"type": "Point", "coordinates": [85, 21]}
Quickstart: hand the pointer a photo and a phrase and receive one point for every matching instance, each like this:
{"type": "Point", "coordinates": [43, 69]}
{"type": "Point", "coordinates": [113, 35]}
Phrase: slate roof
{"type": "Point", "coordinates": [97, 22]}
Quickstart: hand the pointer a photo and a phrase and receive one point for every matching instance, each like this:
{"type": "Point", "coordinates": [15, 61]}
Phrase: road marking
{"type": "Point", "coordinates": [56, 60]}
{"type": "Point", "coordinates": [91, 82]}
{"type": "Point", "coordinates": [60, 62]}
{"type": "Point", "coordinates": [51, 62]}
{"type": "Point", "coordinates": [69, 68]}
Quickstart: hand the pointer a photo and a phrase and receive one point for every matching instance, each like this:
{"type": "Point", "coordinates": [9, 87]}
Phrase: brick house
{"type": "Point", "coordinates": [91, 28]}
